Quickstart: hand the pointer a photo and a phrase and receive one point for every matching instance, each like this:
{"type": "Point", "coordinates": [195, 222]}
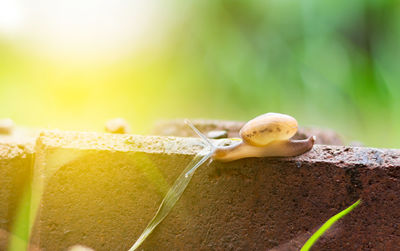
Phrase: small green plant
{"type": "Point", "coordinates": [313, 239]}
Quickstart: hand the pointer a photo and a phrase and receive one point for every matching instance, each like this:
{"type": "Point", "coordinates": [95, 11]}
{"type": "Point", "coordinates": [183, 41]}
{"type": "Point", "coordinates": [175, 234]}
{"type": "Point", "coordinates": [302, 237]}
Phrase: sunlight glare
{"type": "Point", "coordinates": [91, 30]}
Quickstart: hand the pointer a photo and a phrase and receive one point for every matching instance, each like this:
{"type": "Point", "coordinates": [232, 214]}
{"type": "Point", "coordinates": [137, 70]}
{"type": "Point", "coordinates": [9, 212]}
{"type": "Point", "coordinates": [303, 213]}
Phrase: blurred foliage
{"type": "Point", "coordinates": [328, 63]}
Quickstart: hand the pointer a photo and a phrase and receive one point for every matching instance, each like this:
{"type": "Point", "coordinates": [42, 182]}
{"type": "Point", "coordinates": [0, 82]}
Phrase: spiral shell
{"type": "Point", "coordinates": [268, 127]}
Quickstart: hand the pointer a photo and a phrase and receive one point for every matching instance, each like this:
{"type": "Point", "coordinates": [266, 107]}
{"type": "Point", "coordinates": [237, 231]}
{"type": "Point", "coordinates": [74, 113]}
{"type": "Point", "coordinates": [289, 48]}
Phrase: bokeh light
{"type": "Point", "coordinates": [75, 64]}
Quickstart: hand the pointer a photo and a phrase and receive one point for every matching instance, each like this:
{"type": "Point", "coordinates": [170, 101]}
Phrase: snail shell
{"type": "Point", "coordinates": [267, 128]}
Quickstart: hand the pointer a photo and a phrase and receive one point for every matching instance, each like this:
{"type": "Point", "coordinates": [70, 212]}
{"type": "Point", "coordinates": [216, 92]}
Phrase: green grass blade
{"type": "Point", "coordinates": [327, 225]}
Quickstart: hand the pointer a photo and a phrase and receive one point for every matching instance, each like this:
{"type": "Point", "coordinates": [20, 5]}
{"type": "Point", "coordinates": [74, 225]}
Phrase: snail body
{"type": "Point", "coordinates": [268, 135]}
{"type": "Point", "coordinates": [277, 148]}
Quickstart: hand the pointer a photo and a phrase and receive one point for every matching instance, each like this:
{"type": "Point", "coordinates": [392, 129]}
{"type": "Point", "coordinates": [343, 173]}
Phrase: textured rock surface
{"type": "Point", "coordinates": [101, 190]}
{"type": "Point", "coordinates": [180, 129]}
{"type": "Point", "coordinates": [15, 174]}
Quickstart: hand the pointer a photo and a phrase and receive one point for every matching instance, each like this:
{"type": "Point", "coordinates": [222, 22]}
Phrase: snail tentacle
{"type": "Point", "coordinates": [208, 143]}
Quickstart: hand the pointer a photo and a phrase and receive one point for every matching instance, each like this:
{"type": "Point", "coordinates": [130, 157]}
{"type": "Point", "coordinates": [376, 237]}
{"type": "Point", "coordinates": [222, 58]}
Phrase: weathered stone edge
{"type": "Point", "coordinates": [340, 155]}
{"type": "Point", "coordinates": [9, 150]}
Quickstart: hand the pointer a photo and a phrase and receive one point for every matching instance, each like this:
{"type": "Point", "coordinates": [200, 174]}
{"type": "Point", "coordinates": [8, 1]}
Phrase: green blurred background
{"type": "Point", "coordinates": [75, 64]}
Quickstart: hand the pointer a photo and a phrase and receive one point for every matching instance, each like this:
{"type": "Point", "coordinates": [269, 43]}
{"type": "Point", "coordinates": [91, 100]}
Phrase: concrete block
{"type": "Point", "coordinates": [15, 174]}
{"type": "Point", "coordinates": [101, 190]}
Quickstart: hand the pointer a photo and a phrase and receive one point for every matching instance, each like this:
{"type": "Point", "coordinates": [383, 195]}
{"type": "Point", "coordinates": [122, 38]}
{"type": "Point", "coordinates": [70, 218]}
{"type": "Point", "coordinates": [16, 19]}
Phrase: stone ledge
{"type": "Point", "coordinates": [101, 190]}
{"type": "Point", "coordinates": [119, 142]}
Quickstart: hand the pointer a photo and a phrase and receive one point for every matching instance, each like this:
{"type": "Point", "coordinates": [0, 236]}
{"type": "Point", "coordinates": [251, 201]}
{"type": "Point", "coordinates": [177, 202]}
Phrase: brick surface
{"type": "Point", "coordinates": [101, 190]}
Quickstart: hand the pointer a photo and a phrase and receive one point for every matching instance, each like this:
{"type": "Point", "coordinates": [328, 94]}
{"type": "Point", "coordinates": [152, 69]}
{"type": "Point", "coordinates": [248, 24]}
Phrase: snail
{"type": "Point", "coordinates": [268, 135]}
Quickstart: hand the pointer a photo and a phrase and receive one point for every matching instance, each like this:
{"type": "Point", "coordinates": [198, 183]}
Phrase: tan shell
{"type": "Point", "coordinates": [268, 127]}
